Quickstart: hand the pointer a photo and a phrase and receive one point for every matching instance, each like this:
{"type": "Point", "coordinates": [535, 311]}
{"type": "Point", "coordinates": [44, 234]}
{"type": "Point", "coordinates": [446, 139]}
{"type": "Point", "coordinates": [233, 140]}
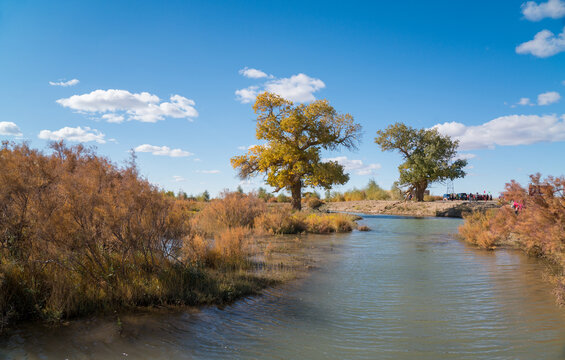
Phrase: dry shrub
{"type": "Point", "coordinates": [231, 210]}
{"type": "Point", "coordinates": [75, 229]}
{"type": "Point", "coordinates": [230, 247]}
{"type": "Point", "coordinates": [477, 229]}
{"type": "Point", "coordinates": [364, 228]}
{"type": "Point", "coordinates": [279, 220]}
{"type": "Point", "coordinates": [540, 225]}
{"type": "Point", "coordinates": [355, 195]}
{"type": "Point", "coordinates": [431, 198]}
{"type": "Point", "coordinates": [314, 203]}
{"type": "Point", "coordinates": [328, 223]}
{"type": "Point", "coordinates": [195, 249]}
{"type": "Point", "coordinates": [283, 220]}
{"type": "Point", "coordinates": [539, 228]}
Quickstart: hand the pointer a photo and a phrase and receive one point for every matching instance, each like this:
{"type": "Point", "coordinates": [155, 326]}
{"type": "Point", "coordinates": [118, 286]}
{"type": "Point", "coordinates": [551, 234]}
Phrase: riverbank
{"type": "Point", "coordinates": [408, 281]}
{"type": "Point", "coordinates": [411, 208]}
{"type": "Point", "coordinates": [535, 223]}
{"type": "Point", "coordinates": [80, 235]}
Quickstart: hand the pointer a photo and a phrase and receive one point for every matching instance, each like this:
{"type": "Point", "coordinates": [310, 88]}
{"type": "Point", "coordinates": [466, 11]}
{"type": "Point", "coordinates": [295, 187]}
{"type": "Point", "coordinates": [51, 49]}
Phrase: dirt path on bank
{"type": "Point", "coordinates": [410, 208]}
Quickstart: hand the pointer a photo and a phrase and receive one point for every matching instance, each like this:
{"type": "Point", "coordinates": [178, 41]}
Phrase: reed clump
{"type": "Point", "coordinates": [283, 220]}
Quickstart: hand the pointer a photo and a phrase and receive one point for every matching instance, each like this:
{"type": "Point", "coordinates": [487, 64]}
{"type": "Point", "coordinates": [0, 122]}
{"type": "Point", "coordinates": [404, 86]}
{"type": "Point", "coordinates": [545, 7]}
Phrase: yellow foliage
{"type": "Point", "coordinates": [295, 135]}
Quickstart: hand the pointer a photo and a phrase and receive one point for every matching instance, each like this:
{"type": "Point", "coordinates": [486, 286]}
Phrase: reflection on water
{"type": "Point", "coordinates": [405, 290]}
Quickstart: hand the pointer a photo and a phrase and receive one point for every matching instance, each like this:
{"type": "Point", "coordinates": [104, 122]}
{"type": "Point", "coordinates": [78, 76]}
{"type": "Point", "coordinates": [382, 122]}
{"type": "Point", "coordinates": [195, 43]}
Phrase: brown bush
{"type": "Point", "coordinates": [74, 228]}
{"type": "Point", "coordinates": [231, 210]}
{"type": "Point", "coordinates": [279, 220]}
{"type": "Point", "coordinates": [478, 229]}
{"type": "Point", "coordinates": [314, 203]}
{"type": "Point", "coordinates": [231, 248]}
{"type": "Point", "coordinates": [327, 223]}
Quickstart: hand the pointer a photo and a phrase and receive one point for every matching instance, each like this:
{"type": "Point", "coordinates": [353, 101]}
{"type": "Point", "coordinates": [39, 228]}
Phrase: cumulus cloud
{"type": "Point", "coordinates": [77, 134]}
{"type": "Point", "coordinates": [72, 82]}
{"type": "Point", "coordinates": [247, 95]}
{"type": "Point", "coordinates": [9, 128]}
{"type": "Point", "coordinates": [506, 131]}
{"type": "Point", "coordinates": [298, 88]}
{"type": "Point", "coordinates": [162, 150]}
{"type": "Point", "coordinates": [357, 166]}
{"type": "Point", "coordinates": [548, 98]}
{"type": "Point", "coordinates": [554, 9]}
{"type": "Point", "coordinates": [544, 44]}
{"type": "Point", "coordinates": [144, 107]}
{"type": "Point", "coordinates": [253, 73]}
{"type": "Point", "coordinates": [208, 171]}
{"type": "Point", "coordinates": [178, 178]}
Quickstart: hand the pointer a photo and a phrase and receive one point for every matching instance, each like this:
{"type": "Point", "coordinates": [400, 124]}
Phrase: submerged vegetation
{"type": "Point", "coordinates": [533, 220]}
{"type": "Point", "coordinates": [79, 234]}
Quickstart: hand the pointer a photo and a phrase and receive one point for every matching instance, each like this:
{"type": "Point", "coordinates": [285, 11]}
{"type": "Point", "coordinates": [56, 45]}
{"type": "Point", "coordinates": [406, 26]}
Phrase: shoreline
{"type": "Point", "coordinates": [454, 209]}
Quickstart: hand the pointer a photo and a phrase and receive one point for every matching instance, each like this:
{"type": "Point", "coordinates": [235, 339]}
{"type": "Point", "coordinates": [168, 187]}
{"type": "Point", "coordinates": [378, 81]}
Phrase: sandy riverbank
{"type": "Point", "coordinates": [435, 208]}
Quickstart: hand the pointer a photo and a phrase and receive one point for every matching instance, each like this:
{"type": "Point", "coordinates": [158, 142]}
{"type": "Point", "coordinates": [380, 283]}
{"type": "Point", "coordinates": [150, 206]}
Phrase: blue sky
{"type": "Point", "coordinates": [176, 79]}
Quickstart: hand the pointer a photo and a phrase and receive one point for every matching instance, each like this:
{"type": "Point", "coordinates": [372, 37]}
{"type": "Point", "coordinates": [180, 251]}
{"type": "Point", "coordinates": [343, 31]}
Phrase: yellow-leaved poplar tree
{"type": "Point", "coordinates": [294, 137]}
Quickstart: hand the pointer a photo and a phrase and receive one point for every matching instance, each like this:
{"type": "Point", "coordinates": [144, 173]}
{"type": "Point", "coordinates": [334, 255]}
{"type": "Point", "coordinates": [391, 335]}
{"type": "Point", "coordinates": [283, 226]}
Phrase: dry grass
{"type": "Point", "coordinates": [231, 210]}
{"type": "Point", "coordinates": [80, 235]}
{"type": "Point", "coordinates": [478, 230]}
{"type": "Point", "coordinates": [279, 220]}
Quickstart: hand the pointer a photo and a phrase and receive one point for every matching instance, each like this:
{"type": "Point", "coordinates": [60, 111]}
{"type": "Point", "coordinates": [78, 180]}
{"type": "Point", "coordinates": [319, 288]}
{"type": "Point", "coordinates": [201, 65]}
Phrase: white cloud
{"type": "Point", "coordinates": [9, 128]}
{"type": "Point", "coordinates": [162, 150]}
{"type": "Point", "coordinates": [544, 44]}
{"type": "Point", "coordinates": [208, 171]}
{"type": "Point", "coordinates": [506, 131]}
{"type": "Point", "coordinates": [77, 134]}
{"type": "Point", "coordinates": [554, 9]}
{"type": "Point", "coordinates": [253, 73]}
{"type": "Point", "coordinates": [178, 178]}
{"type": "Point", "coordinates": [524, 101]}
{"type": "Point", "coordinates": [247, 95]}
{"type": "Point", "coordinates": [113, 118]}
{"type": "Point", "coordinates": [356, 166]}
{"type": "Point", "coordinates": [465, 156]}
{"type": "Point", "coordinates": [144, 107]}
{"type": "Point", "coordinates": [72, 82]}
{"type": "Point", "coordinates": [300, 88]}
{"type": "Point", "coordinates": [548, 98]}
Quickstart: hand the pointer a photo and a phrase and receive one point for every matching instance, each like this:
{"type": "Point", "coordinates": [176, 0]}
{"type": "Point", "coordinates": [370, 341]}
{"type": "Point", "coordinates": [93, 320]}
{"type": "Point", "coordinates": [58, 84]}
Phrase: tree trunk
{"type": "Point", "coordinates": [296, 190]}
{"type": "Point", "coordinates": [420, 189]}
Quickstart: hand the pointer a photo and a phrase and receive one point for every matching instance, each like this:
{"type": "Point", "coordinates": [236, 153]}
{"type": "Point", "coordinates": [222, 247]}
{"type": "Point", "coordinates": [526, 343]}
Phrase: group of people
{"type": "Point", "coordinates": [480, 197]}
{"type": "Point", "coordinates": [470, 196]}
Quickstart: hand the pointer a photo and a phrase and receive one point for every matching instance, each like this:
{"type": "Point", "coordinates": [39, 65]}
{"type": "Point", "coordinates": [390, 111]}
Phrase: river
{"type": "Point", "coordinates": [407, 289]}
